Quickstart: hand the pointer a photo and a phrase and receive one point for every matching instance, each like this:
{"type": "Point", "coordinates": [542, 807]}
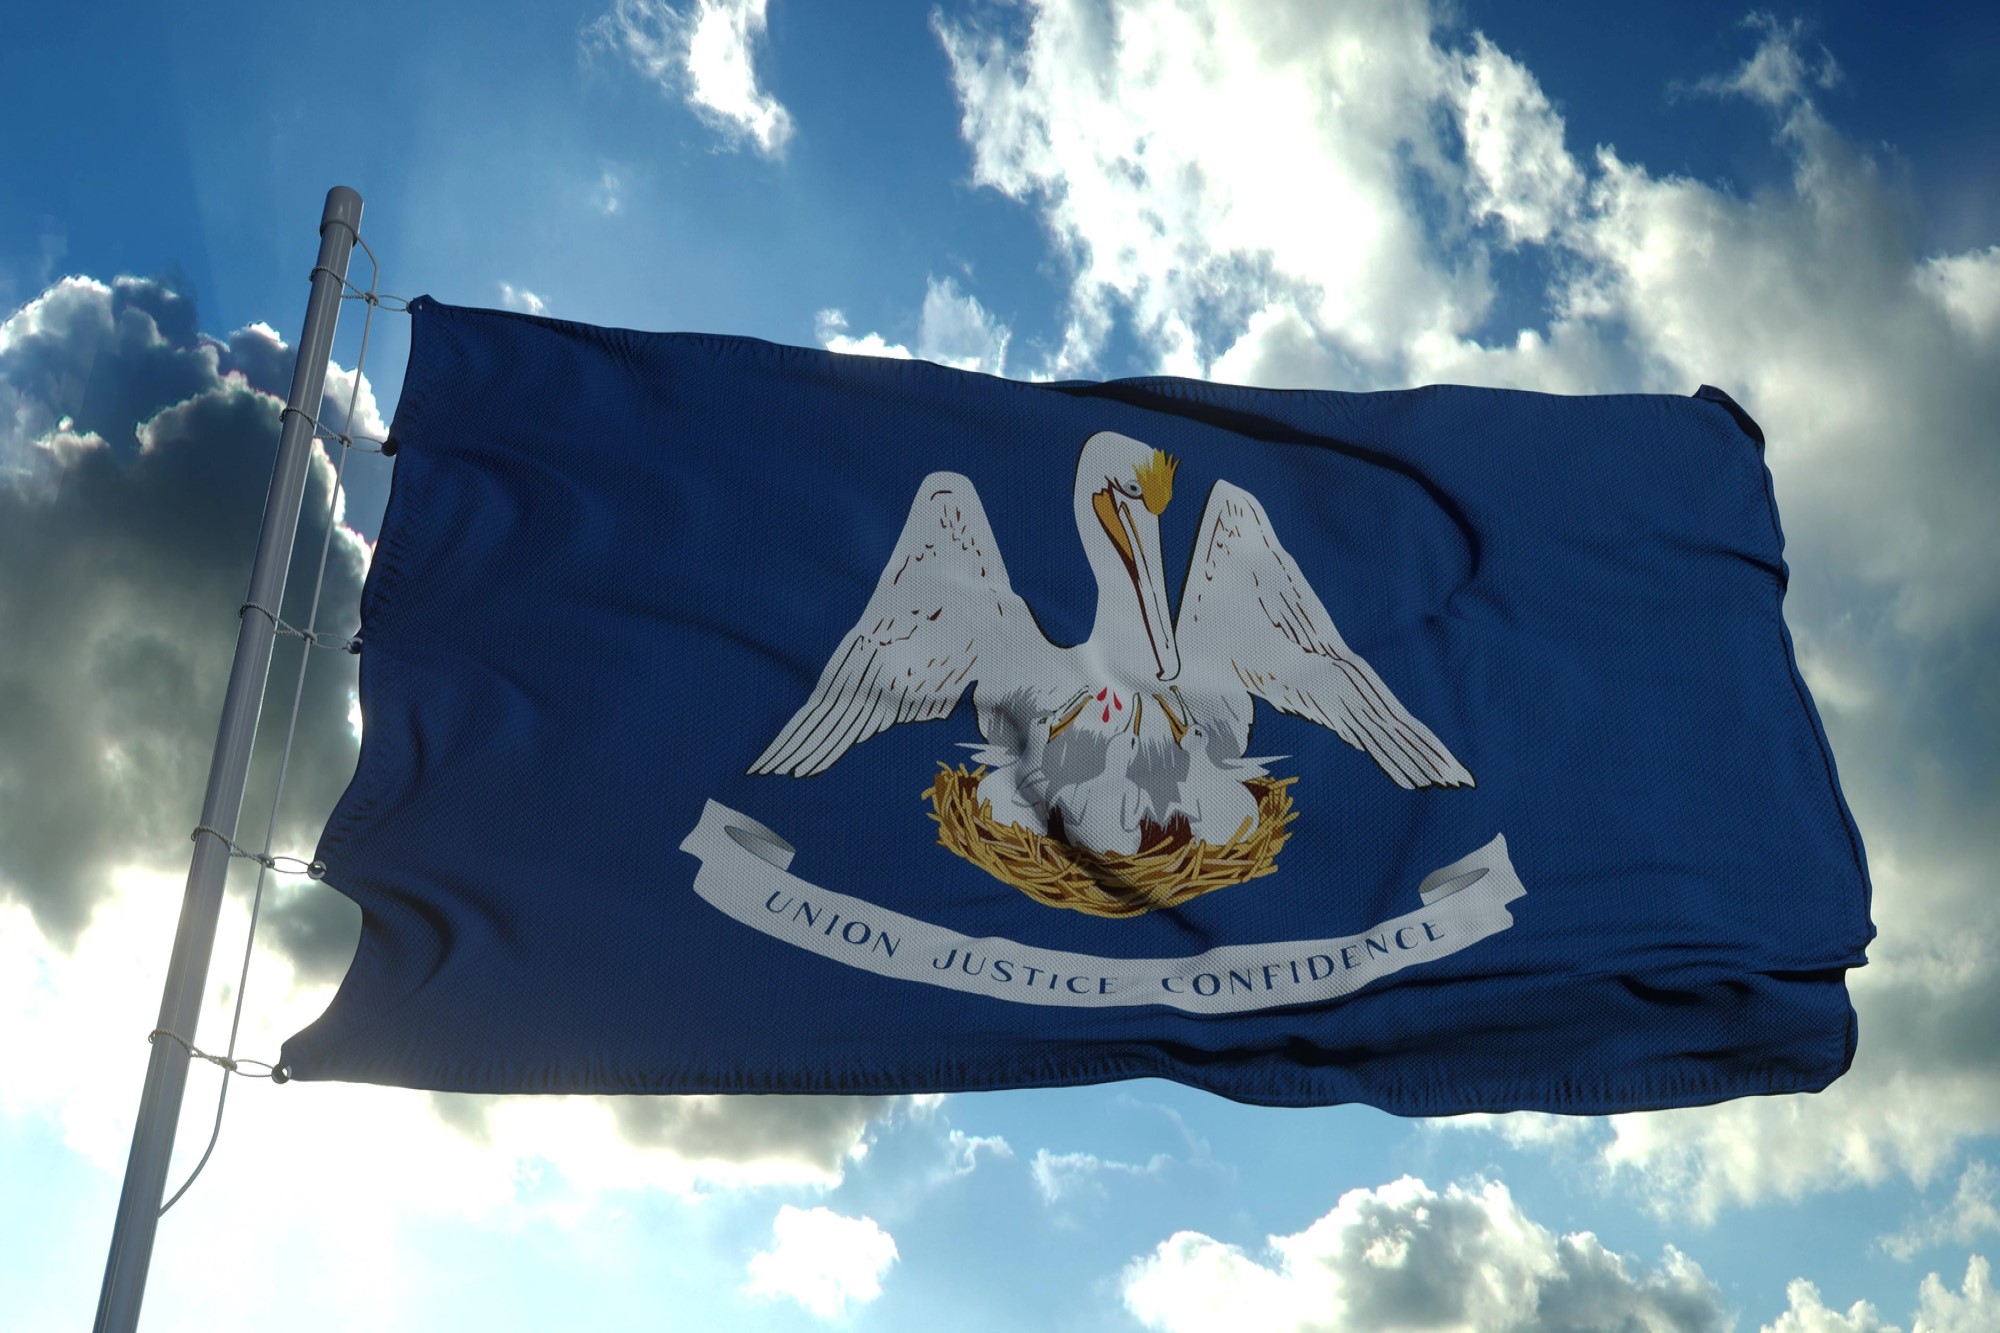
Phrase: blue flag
{"type": "Point", "coordinates": [744, 718]}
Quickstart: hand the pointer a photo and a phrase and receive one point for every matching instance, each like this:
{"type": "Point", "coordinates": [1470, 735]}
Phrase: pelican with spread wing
{"type": "Point", "coordinates": [1157, 706]}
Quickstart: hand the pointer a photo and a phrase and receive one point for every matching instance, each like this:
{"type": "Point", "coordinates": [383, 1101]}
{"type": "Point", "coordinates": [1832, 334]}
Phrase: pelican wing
{"type": "Point", "coordinates": [1247, 605]}
{"type": "Point", "coordinates": [943, 615]}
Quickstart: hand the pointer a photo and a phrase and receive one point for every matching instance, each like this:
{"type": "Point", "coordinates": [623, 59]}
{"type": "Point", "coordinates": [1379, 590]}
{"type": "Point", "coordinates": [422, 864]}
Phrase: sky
{"type": "Point", "coordinates": [1796, 205]}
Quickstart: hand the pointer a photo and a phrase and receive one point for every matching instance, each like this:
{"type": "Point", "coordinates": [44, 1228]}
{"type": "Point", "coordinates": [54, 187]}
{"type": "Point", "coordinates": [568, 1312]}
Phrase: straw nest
{"type": "Point", "coordinates": [1169, 868]}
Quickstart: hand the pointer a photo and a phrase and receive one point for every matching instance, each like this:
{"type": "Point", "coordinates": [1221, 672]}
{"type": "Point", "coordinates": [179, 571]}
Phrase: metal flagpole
{"type": "Point", "coordinates": [187, 972]}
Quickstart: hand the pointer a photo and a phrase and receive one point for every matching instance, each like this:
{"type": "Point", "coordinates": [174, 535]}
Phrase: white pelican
{"type": "Point", "coordinates": [944, 615]}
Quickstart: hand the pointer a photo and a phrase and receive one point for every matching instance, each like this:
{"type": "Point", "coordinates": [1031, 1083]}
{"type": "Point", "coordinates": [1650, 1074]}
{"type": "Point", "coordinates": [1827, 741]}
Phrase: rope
{"type": "Point", "coordinates": [373, 298]}
{"type": "Point", "coordinates": [298, 866]}
{"type": "Point", "coordinates": [232, 1065]}
{"type": "Point", "coordinates": [367, 444]}
{"type": "Point", "coordinates": [311, 637]}
{"type": "Point", "coordinates": [266, 862]}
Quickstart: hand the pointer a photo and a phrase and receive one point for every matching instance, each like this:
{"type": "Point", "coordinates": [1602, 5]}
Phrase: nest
{"type": "Point", "coordinates": [1169, 868]}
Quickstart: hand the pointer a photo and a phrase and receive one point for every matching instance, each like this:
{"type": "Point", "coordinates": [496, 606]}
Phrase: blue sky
{"type": "Point", "coordinates": [1795, 205]}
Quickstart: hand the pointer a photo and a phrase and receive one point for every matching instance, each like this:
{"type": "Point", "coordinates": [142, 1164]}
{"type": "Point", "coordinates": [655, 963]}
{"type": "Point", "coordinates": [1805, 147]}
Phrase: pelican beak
{"type": "Point", "coordinates": [1136, 534]}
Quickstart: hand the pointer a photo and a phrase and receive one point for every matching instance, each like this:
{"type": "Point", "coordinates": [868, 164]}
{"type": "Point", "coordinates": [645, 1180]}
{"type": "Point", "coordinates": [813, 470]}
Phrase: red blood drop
{"type": "Point", "coordinates": [1107, 715]}
{"type": "Point", "coordinates": [1101, 693]}
{"type": "Point", "coordinates": [1116, 704]}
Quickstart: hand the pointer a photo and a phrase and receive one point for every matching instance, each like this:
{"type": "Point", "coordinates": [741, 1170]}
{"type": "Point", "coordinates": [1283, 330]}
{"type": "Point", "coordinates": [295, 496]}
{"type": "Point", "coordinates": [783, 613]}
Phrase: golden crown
{"type": "Point", "coordinates": [1156, 481]}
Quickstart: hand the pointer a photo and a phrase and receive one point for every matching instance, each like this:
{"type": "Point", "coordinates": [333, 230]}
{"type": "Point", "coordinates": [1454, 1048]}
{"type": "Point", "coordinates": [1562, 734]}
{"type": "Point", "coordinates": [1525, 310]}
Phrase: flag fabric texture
{"type": "Point", "coordinates": [742, 718]}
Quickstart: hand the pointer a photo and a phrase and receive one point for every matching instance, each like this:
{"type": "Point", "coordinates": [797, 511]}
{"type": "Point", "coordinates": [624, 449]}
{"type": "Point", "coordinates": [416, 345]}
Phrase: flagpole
{"type": "Point", "coordinates": [194, 940]}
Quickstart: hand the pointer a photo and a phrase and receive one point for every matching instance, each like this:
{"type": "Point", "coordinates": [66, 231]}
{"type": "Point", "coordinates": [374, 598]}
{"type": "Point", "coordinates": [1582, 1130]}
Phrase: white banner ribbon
{"type": "Point", "coordinates": [744, 874]}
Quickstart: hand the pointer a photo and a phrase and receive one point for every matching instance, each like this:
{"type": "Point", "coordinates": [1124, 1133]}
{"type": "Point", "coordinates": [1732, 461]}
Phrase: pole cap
{"type": "Point", "coordinates": [343, 205]}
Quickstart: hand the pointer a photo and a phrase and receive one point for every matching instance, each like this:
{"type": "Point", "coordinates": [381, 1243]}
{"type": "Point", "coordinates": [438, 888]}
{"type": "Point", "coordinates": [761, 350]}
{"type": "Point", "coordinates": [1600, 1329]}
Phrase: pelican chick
{"type": "Point", "coordinates": [1213, 796]}
{"type": "Point", "coordinates": [1105, 812]}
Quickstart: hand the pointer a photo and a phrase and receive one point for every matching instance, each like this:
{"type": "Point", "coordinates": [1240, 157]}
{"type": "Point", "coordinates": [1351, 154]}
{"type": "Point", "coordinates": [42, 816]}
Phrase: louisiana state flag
{"type": "Point", "coordinates": [743, 718]}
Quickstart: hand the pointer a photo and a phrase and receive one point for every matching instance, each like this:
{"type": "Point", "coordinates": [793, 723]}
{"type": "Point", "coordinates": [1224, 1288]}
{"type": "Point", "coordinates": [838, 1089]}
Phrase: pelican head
{"type": "Point", "coordinates": [1122, 488]}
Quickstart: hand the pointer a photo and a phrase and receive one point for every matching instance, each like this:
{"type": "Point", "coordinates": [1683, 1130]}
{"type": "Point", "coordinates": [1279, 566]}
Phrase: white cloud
{"type": "Point", "coordinates": [1518, 170]}
{"type": "Point", "coordinates": [830, 327]}
{"type": "Point", "coordinates": [1525, 1129]}
{"type": "Point", "coordinates": [963, 1151]}
{"type": "Point", "coordinates": [371, 1177]}
{"type": "Point", "coordinates": [1925, 1083]}
{"type": "Point", "coordinates": [1967, 288]}
{"type": "Point", "coordinates": [822, 1260]}
{"type": "Point", "coordinates": [1268, 213]}
{"type": "Point", "coordinates": [954, 329]}
{"type": "Point", "coordinates": [958, 331]}
{"type": "Point", "coordinates": [465, 1156]}
{"type": "Point", "coordinates": [706, 56]}
{"type": "Point", "coordinates": [378, 1164]}
{"type": "Point", "coordinates": [1972, 1211]}
{"type": "Point", "coordinates": [520, 298]}
{"type": "Point", "coordinates": [1312, 196]}
{"type": "Point", "coordinates": [1405, 1257]}
{"type": "Point", "coordinates": [1973, 1308]}
{"type": "Point", "coordinates": [1197, 163]}
{"type": "Point", "coordinates": [1805, 1312]}
{"type": "Point", "coordinates": [1060, 1176]}
{"type": "Point", "coordinates": [1778, 72]}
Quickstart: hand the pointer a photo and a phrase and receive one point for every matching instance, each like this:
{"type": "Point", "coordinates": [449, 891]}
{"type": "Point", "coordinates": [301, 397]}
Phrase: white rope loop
{"type": "Point", "coordinates": [373, 298]}
{"type": "Point", "coordinates": [313, 638]}
{"type": "Point", "coordinates": [283, 865]}
{"type": "Point", "coordinates": [367, 444]}
{"type": "Point", "coordinates": [267, 863]}
{"type": "Point", "coordinates": [224, 1062]}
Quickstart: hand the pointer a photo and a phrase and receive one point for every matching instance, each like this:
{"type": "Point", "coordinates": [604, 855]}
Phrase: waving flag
{"type": "Point", "coordinates": [746, 718]}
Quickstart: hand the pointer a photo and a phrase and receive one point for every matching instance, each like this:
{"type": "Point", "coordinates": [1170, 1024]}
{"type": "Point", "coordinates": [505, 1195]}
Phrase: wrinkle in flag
{"type": "Point", "coordinates": [742, 718]}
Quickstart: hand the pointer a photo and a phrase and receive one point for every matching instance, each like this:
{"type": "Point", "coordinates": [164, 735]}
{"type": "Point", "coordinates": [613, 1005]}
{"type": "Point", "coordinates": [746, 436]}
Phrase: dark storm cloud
{"type": "Point", "coordinates": [813, 1131]}
{"type": "Point", "coordinates": [107, 361]}
{"type": "Point", "coordinates": [134, 457]}
{"type": "Point", "coordinates": [817, 1133]}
